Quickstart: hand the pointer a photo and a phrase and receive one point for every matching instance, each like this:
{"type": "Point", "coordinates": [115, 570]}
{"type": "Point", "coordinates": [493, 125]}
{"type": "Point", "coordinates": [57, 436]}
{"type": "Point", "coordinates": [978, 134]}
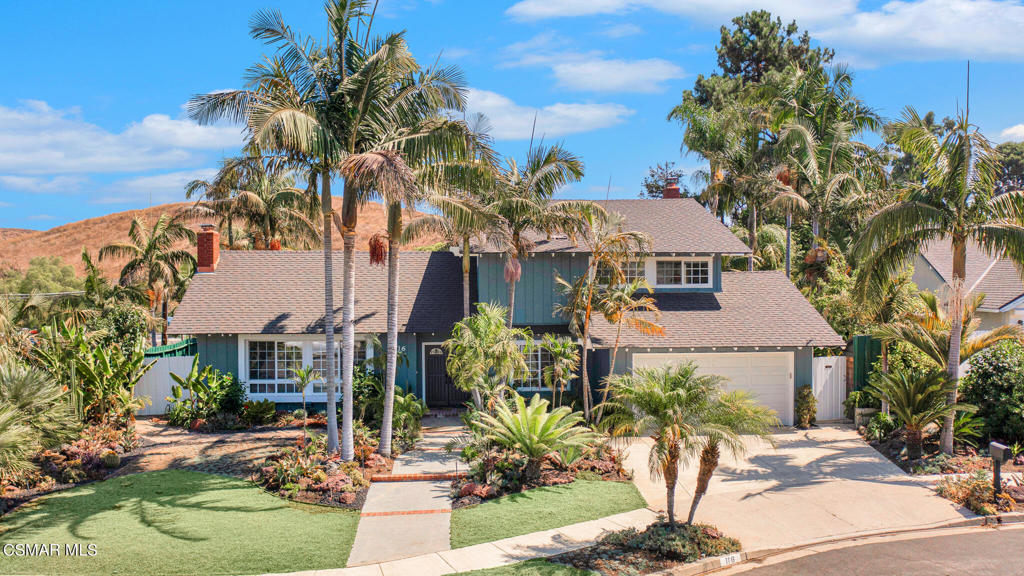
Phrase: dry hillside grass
{"type": "Point", "coordinates": [67, 241]}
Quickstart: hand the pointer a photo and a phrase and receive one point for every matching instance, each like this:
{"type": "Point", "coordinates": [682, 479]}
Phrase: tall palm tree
{"type": "Point", "coordinates": [274, 210]}
{"type": "Point", "coordinates": [521, 197]}
{"type": "Point", "coordinates": [153, 260]}
{"type": "Point", "coordinates": [214, 196]}
{"type": "Point", "coordinates": [622, 304]}
{"type": "Point", "coordinates": [708, 132]}
{"type": "Point", "coordinates": [610, 247]}
{"type": "Point", "coordinates": [672, 406]}
{"type": "Point", "coordinates": [889, 306]}
{"type": "Point", "coordinates": [956, 203]}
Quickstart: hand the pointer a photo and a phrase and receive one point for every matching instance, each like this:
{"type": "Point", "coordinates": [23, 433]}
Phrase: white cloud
{"type": "Point", "coordinates": [42, 184]}
{"type": "Point", "coordinates": [39, 217]}
{"type": "Point", "coordinates": [1013, 133]}
{"type": "Point", "coordinates": [896, 30]}
{"type": "Point", "coordinates": [622, 30]}
{"type": "Point", "coordinates": [511, 121]}
{"type": "Point", "coordinates": [167, 187]}
{"type": "Point", "coordinates": [600, 75]}
{"type": "Point", "coordinates": [36, 139]}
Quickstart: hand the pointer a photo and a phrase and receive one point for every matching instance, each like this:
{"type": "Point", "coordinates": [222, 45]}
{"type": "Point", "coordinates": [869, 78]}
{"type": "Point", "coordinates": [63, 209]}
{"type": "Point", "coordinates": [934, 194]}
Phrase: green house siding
{"type": "Point", "coordinates": [218, 351]}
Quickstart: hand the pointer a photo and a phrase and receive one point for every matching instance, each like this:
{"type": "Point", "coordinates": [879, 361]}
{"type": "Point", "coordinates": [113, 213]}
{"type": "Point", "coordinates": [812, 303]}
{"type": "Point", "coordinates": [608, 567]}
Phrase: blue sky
{"type": "Point", "coordinates": [91, 117]}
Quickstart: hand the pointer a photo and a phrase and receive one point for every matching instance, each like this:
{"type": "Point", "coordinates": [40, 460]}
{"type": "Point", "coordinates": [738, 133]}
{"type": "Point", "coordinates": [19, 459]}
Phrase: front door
{"type": "Point", "coordinates": [441, 391]}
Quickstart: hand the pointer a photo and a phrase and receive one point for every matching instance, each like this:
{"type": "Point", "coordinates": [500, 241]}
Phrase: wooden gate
{"type": "Point", "coordinates": [441, 391]}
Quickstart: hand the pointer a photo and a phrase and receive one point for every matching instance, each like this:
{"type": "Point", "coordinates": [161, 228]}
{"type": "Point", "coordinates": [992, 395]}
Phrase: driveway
{"type": "Point", "coordinates": [814, 485]}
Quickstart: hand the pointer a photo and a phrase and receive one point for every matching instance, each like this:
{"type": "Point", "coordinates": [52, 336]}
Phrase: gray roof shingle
{"type": "Point", "coordinates": [265, 292]}
{"type": "Point", "coordinates": [753, 309]}
{"type": "Point", "coordinates": [675, 225]}
{"type": "Point", "coordinates": [1001, 282]}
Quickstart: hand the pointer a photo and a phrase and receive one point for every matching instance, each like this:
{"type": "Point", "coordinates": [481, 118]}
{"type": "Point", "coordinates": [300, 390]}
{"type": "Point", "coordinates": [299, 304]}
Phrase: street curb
{"type": "Point", "coordinates": [708, 565]}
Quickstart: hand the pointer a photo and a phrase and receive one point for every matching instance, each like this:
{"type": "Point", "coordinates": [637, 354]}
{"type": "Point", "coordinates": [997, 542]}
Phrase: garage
{"type": "Point", "coordinates": [767, 375]}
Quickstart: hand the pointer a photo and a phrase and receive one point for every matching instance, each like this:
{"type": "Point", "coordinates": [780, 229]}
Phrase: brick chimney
{"type": "Point", "coordinates": [207, 248]}
{"type": "Point", "coordinates": [671, 190]}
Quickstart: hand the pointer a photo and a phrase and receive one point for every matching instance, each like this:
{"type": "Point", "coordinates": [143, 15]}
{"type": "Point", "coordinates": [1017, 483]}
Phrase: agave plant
{"type": "Point", "coordinates": [535, 432]}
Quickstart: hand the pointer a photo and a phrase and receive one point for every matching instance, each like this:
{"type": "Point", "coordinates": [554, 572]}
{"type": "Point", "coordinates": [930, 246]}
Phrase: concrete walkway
{"type": "Point", "coordinates": [410, 518]}
{"type": "Point", "coordinates": [815, 484]}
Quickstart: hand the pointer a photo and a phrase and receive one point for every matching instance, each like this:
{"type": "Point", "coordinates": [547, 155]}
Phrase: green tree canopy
{"type": "Point", "coordinates": [1011, 167]}
{"type": "Point", "coordinates": [44, 274]}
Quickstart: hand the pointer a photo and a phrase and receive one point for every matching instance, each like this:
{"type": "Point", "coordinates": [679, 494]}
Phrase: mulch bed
{"type": "Point", "coordinates": [964, 460]}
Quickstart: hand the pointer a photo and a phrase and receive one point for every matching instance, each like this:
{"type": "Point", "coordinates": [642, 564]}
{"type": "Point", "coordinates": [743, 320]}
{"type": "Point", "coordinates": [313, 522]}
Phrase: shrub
{"type": "Point", "coordinates": [859, 399]}
{"type": "Point", "coordinates": [684, 542]}
{"type": "Point", "coordinates": [917, 399]}
{"type": "Point", "coordinates": [806, 407]}
{"type": "Point", "coordinates": [122, 324]}
{"type": "Point", "coordinates": [967, 429]}
{"type": "Point", "coordinates": [208, 393]}
{"type": "Point", "coordinates": [407, 417]}
{"type": "Point", "coordinates": [973, 492]}
{"type": "Point", "coordinates": [258, 412]}
{"type": "Point", "coordinates": [881, 427]}
{"type": "Point", "coordinates": [995, 384]}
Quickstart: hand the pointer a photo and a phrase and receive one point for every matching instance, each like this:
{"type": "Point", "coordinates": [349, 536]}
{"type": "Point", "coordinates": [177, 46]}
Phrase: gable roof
{"type": "Point", "coordinates": [753, 309]}
{"type": "Point", "coordinates": [1000, 280]}
{"type": "Point", "coordinates": [282, 292]}
{"type": "Point", "coordinates": [678, 225]}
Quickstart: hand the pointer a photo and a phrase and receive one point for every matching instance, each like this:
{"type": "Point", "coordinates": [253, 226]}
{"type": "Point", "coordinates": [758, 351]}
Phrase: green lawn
{"type": "Point", "coordinates": [530, 568]}
{"type": "Point", "coordinates": [542, 509]}
{"type": "Point", "coordinates": [178, 522]}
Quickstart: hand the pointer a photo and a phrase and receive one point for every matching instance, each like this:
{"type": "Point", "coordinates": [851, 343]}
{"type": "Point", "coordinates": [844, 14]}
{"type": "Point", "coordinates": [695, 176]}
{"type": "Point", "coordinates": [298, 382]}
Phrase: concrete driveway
{"type": "Point", "coordinates": [814, 485]}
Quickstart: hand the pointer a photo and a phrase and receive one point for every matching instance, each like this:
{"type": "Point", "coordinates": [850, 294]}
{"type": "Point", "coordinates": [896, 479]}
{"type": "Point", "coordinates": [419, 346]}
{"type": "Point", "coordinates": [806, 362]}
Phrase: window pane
{"type": "Point", "coordinates": [261, 361]}
{"type": "Point", "coordinates": [289, 357]}
{"type": "Point", "coordinates": [634, 270]}
{"type": "Point", "coordinates": [697, 273]}
{"type": "Point", "coordinates": [669, 272]}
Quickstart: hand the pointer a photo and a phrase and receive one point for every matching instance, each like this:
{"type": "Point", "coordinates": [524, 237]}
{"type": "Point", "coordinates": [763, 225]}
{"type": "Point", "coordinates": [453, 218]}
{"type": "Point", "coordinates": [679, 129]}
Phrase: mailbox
{"type": "Point", "coordinates": [999, 452]}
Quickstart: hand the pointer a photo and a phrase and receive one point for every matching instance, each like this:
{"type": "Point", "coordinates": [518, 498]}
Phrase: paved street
{"type": "Point", "coordinates": [990, 552]}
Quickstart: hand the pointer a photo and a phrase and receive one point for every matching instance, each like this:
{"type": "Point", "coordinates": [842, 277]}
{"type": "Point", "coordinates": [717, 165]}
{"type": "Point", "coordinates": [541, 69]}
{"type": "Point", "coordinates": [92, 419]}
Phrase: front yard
{"type": "Point", "coordinates": [542, 509]}
{"type": "Point", "coordinates": [177, 522]}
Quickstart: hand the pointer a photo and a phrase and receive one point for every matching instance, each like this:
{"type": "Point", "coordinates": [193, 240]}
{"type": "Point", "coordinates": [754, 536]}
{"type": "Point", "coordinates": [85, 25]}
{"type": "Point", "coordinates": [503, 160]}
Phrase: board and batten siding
{"type": "Point", "coordinates": [219, 351]}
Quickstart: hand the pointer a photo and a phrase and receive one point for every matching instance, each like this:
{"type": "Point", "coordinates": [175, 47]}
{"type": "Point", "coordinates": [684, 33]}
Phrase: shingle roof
{"type": "Point", "coordinates": [675, 225]}
{"type": "Point", "coordinates": [1001, 282]}
{"type": "Point", "coordinates": [753, 309]}
{"type": "Point", "coordinates": [264, 292]}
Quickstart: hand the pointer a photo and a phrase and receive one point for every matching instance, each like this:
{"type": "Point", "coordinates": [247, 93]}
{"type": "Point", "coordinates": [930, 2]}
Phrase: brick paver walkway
{"type": "Point", "coordinates": [230, 453]}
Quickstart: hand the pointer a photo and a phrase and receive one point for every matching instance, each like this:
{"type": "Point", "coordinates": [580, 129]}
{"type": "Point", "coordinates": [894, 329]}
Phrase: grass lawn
{"type": "Point", "coordinates": [530, 568]}
{"type": "Point", "coordinates": [542, 509]}
{"type": "Point", "coordinates": [178, 522]}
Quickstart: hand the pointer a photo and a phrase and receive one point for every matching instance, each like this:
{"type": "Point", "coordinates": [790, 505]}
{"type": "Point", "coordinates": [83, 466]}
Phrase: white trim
{"type": "Point", "coordinates": [652, 271]}
{"type": "Point", "coordinates": [307, 360]}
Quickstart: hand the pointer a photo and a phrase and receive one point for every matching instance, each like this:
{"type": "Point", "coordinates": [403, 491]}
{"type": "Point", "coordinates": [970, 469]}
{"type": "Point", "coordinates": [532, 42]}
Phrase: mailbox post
{"type": "Point", "coordinates": [1000, 454]}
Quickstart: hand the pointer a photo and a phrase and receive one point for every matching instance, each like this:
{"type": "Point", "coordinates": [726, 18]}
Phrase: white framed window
{"type": "Point", "coordinates": [697, 272]}
{"type": "Point", "coordinates": [668, 273]}
{"type": "Point", "coordinates": [536, 360]}
{"type": "Point", "coordinates": [634, 270]}
{"type": "Point", "coordinates": [269, 363]}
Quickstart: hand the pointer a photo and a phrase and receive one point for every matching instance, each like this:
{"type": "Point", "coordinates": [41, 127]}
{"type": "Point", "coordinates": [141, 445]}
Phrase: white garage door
{"type": "Point", "coordinates": [768, 375]}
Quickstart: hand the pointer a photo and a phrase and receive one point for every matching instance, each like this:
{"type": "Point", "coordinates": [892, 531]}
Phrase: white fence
{"type": "Point", "coordinates": [830, 386]}
{"type": "Point", "coordinates": [156, 384]}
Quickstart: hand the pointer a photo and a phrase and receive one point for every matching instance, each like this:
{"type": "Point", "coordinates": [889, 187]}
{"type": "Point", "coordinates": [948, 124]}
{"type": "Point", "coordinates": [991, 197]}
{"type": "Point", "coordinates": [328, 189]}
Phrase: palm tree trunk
{"type": "Point", "coordinates": [789, 242]}
{"type": "Point", "coordinates": [752, 236]}
{"type": "Point", "coordinates": [611, 369]}
{"type": "Point", "coordinates": [815, 227]}
{"type": "Point", "coordinates": [231, 234]}
{"type": "Point", "coordinates": [465, 277]}
{"type": "Point", "coordinates": [956, 317]}
{"type": "Point", "coordinates": [913, 444]}
{"type": "Point", "coordinates": [584, 373]}
{"type": "Point", "coordinates": [885, 370]}
{"type": "Point", "coordinates": [329, 376]}
{"type": "Point", "coordinates": [394, 229]}
{"type": "Point", "coordinates": [671, 473]}
{"type": "Point", "coordinates": [511, 301]}
{"type": "Point", "coordinates": [708, 462]}
{"type": "Point", "coordinates": [348, 342]}
{"type": "Point", "coordinates": [163, 327]}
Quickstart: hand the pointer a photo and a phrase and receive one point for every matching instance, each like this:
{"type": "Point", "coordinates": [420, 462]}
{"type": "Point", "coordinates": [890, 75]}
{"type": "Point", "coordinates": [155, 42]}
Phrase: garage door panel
{"type": "Point", "coordinates": [766, 375]}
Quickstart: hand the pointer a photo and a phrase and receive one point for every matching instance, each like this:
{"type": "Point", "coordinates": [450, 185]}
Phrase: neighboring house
{"type": "Point", "coordinates": [257, 314]}
{"type": "Point", "coordinates": [995, 277]}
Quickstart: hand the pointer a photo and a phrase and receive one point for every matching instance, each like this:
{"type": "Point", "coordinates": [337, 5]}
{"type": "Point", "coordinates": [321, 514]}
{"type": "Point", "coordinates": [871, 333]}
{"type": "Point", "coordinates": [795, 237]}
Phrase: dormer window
{"type": "Point", "coordinates": [697, 272]}
{"type": "Point", "coordinates": [669, 273]}
{"type": "Point", "coordinates": [692, 272]}
{"type": "Point", "coordinates": [634, 270]}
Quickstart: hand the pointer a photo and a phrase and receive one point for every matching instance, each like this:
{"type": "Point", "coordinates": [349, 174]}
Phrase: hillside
{"type": "Point", "coordinates": [66, 242]}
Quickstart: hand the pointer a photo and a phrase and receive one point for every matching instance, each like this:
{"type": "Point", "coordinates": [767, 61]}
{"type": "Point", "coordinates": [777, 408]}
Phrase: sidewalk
{"type": "Point", "coordinates": [409, 518]}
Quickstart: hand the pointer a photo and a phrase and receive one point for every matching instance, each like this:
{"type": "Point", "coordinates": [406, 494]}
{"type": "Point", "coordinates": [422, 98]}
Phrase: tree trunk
{"type": "Point", "coordinates": [671, 474]}
{"type": "Point", "coordinates": [752, 236]}
{"type": "Point", "coordinates": [789, 242]}
{"type": "Point", "coordinates": [329, 376]}
{"type": "Point", "coordinates": [163, 328]}
{"type": "Point", "coordinates": [511, 301]}
{"type": "Point", "coordinates": [956, 317]}
{"type": "Point", "coordinates": [465, 278]}
{"type": "Point", "coordinates": [348, 344]}
{"type": "Point", "coordinates": [395, 229]}
{"type": "Point", "coordinates": [885, 370]}
{"type": "Point", "coordinates": [914, 440]}
{"type": "Point", "coordinates": [611, 369]}
{"type": "Point", "coordinates": [815, 225]}
{"type": "Point", "coordinates": [584, 373]}
{"type": "Point", "coordinates": [231, 234]}
{"type": "Point", "coordinates": [708, 462]}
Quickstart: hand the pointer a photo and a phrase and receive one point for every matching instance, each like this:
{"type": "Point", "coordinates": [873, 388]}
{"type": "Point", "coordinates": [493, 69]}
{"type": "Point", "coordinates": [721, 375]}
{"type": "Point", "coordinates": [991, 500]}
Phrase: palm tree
{"type": "Point", "coordinates": [522, 200]}
{"type": "Point", "coordinates": [708, 132]}
{"type": "Point", "coordinates": [918, 399]}
{"type": "Point", "coordinates": [215, 195]}
{"type": "Point", "coordinates": [670, 404]}
{"type": "Point", "coordinates": [483, 349]}
{"type": "Point", "coordinates": [954, 202]}
{"type": "Point", "coordinates": [929, 331]}
{"type": "Point", "coordinates": [153, 260]}
{"type": "Point", "coordinates": [889, 307]}
{"type": "Point", "coordinates": [772, 248]}
{"type": "Point", "coordinates": [733, 415]}
{"type": "Point", "coordinates": [301, 378]}
{"type": "Point", "coordinates": [565, 360]}
{"type": "Point", "coordinates": [610, 247]}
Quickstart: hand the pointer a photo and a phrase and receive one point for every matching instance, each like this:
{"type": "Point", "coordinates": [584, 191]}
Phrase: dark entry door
{"type": "Point", "coordinates": [441, 391]}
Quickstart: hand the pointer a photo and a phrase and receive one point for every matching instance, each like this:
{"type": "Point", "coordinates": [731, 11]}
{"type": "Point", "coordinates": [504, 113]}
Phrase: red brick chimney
{"type": "Point", "coordinates": [671, 190]}
{"type": "Point", "coordinates": [207, 248]}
